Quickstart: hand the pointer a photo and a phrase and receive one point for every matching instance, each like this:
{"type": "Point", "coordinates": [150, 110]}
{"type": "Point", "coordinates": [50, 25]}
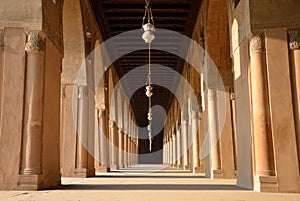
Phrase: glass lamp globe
{"type": "Point", "coordinates": [148, 35]}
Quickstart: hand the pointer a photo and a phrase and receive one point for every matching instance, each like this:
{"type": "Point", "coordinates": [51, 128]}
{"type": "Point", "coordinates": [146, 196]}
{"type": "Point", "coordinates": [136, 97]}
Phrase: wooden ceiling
{"type": "Point", "coordinates": [118, 16]}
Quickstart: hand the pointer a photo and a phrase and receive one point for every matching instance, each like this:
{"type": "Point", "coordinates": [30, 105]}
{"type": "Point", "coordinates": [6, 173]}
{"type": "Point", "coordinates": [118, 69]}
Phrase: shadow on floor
{"type": "Point", "coordinates": [151, 176]}
{"type": "Point", "coordinates": [129, 187]}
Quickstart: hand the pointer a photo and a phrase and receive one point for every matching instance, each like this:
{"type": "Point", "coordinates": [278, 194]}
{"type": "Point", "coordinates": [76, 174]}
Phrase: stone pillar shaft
{"type": "Point", "coordinates": [214, 128]}
{"type": "Point", "coordinates": [184, 151]}
{"type": "Point", "coordinates": [128, 150]}
{"type": "Point", "coordinates": [260, 115]}
{"type": "Point", "coordinates": [33, 114]}
{"type": "Point", "coordinates": [113, 144]}
{"type": "Point", "coordinates": [1, 62]}
{"type": "Point", "coordinates": [171, 150]}
{"type": "Point", "coordinates": [121, 148]}
{"type": "Point", "coordinates": [82, 128]}
{"type": "Point", "coordinates": [103, 139]}
{"type": "Point", "coordinates": [294, 44]}
{"type": "Point", "coordinates": [195, 139]}
{"type": "Point", "coordinates": [125, 150]}
{"type": "Point", "coordinates": [174, 149]}
{"type": "Point", "coordinates": [178, 141]}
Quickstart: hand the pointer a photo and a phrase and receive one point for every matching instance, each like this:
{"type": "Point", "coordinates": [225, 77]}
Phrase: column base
{"type": "Point", "coordinates": [29, 182]}
{"type": "Point", "coordinates": [103, 169]}
{"type": "Point", "coordinates": [81, 173]}
{"type": "Point", "coordinates": [266, 184]}
{"type": "Point", "coordinates": [197, 170]}
{"type": "Point", "coordinates": [121, 166]}
{"type": "Point", "coordinates": [217, 174]}
{"type": "Point", "coordinates": [186, 167]}
{"type": "Point", "coordinates": [114, 167]}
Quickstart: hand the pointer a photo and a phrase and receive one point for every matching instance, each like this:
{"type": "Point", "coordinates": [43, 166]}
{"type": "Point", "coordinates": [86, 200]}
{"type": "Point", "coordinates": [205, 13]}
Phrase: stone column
{"type": "Point", "coordinates": [121, 148]}
{"type": "Point", "coordinates": [104, 153]}
{"type": "Point", "coordinates": [233, 120]}
{"type": "Point", "coordinates": [170, 149]}
{"type": "Point", "coordinates": [260, 114]}
{"type": "Point", "coordinates": [184, 151]}
{"type": "Point", "coordinates": [294, 44]}
{"type": "Point", "coordinates": [196, 163]}
{"type": "Point", "coordinates": [82, 132]}
{"type": "Point", "coordinates": [1, 62]}
{"type": "Point", "coordinates": [178, 146]}
{"type": "Point", "coordinates": [125, 150]}
{"type": "Point", "coordinates": [164, 153]}
{"type": "Point", "coordinates": [135, 161]}
{"type": "Point", "coordinates": [130, 151]}
{"type": "Point", "coordinates": [216, 171]}
{"type": "Point", "coordinates": [33, 109]}
{"type": "Point", "coordinates": [62, 123]}
{"type": "Point", "coordinates": [174, 148]}
{"type": "Point", "coordinates": [113, 145]}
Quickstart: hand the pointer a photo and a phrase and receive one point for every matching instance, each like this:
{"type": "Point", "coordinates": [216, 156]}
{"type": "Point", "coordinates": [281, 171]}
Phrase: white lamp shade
{"type": "Point", "coordinates": [148, 36]}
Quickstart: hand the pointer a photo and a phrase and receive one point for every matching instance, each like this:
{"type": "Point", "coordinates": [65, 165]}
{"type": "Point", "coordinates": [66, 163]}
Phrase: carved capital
{"type": "Point", "coordinates": [101, 113]}
{"type": "Point", "coordinates": [111, 124]}
{"type": "Point", "coordinates": [63, 91]}
{"type": "Point", "coordinates": [1, 39]}
{"type": "Point", "coordinates": [257, 42]}
{"type": "Point", "coordinates": [231, 94]}
{"type": "Point", "coordinates": [34, 42]}
{"type": "Point", "coordinates": [195, 115]}
{"type": "Point", "coordinates": [82, 92]}
{"type": "Point", "coordinates": [294, 39]}
{"type": "Point", "coordinates": [212, 94]}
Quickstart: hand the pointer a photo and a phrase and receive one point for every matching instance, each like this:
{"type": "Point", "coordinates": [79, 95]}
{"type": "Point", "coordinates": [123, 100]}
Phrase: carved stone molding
{"type": "Point", "coordinates": [257, 42]}
{"type": "Point", "coordinates": [294, 39]}
{"type": "Point", "coordinates": [82, 92]}
{"type": "Point", "coordinates": [1, 39]}
{"type": "Point", "coordinates": [34, 42]}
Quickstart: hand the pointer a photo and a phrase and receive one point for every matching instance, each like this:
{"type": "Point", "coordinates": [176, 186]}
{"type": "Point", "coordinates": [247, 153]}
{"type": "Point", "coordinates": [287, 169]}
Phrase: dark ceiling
{"type": "Point", "coordinates": [118, 16]}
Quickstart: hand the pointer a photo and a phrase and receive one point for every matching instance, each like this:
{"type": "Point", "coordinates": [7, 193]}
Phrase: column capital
{"type": "Point", "coordinates": [195, 115]}
{"type": "Point", "coordinates": [257, 41]}
{"type": "Point", "coordinates": [1, 39]}
{"type": "Point", "coordinates": [294, 39]}
{"type": "Point", "coordinates": [212, 94]}
{"type": "Point", "coordinates": [184, 122]}
{"type": "Point", "coordinates": [82, 91]}
{"type": "Point", "coordinates": [34, 42]}
{"type": "Point", "coordinates": [101, 113]}
{"type": "Point", "coordinates": [231, 94]}
{"type": "Point", "coordinates": [63, 91]}
{"type": "Point", "coordinates": [112, 123]}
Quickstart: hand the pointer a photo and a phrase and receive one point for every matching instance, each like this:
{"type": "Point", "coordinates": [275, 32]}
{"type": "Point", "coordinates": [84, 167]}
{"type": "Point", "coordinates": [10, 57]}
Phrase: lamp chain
{"type": "Point", "coordinates": [148, 36]}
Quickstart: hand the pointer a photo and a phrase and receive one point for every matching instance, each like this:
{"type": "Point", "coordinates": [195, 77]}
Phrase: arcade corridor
{"type": "Point", "coordinates": [150, 100]}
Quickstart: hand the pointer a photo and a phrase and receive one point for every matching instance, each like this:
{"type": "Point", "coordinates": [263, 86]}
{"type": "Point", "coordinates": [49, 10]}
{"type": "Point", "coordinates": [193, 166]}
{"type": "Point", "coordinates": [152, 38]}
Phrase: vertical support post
{"type": "Point", "coordinates": [33, 110]}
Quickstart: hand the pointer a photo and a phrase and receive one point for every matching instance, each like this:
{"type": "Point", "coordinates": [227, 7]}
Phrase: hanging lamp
{"type": "Point", "coordinates": [148, 37]}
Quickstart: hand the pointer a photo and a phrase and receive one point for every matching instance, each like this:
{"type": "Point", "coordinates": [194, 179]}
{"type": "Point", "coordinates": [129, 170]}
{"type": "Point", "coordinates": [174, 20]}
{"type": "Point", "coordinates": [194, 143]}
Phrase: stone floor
{"type": "Point", "coordinates": [139, 183]}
